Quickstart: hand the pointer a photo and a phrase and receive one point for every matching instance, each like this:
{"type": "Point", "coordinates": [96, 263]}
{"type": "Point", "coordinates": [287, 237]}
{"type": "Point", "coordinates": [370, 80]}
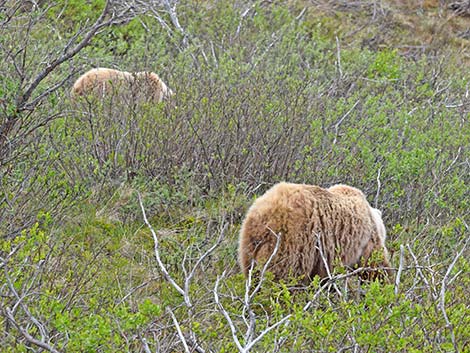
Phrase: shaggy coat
{"type": "Point", "coordinates": [318, 229]}
{"type": "Point", "coordinates": [141, 86]}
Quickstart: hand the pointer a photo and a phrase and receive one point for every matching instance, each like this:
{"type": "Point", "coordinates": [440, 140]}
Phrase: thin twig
{"type": "Point", "coordinates": [443, 293]}
{"type": "Point", "coordinates": [99, 23]}
{"type": "Point", "coordinates": [340, 121]}
{"type": "Point", "coordinates": [379, 184]}
{"type": "Point", "coordinates": [161, 265]}
{"type": "Point", "coordinates": [206, 254]}
{"type": "Point", "coordinates": [233, 330]}
{"type": "Point", "coordinates": [338, 58]}
{"type": "Point", "coordinates": [133, 290]}
{"type": "Point", "coordinates": [174, 19]}
{"type": "Point", "coordinates": [180, 333]}
{"type": "Point", "coordinates": [265, 331]}
{"type": "Point", "coordinates": [26, 334]}
{"type": "Point", "coordinates": [325, 262]}
{"type": "Point", "coordinates": [145, 345]}
{"type": "Point", "coordinates": [400, 268]}
{"type": "Point", "coordinates": [268, 262]}
{"type": "Point", "coordinates": [242, 17]}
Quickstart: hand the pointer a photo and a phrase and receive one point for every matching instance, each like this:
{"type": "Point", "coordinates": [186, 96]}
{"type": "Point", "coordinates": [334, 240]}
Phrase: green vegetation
{"type": "Point", "coordinates": [265, 91]}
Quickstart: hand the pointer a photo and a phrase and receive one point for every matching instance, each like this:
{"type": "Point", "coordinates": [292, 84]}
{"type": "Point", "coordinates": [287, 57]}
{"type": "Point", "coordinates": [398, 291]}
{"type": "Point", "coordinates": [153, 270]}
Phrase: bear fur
{"type": "Point", "coordinates": [140, 86]}
{"type": "Point", "coordinates": [318, 229]}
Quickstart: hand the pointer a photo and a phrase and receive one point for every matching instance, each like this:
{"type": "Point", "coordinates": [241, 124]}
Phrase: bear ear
{"type": "Point", "coordinates": [376, 210]}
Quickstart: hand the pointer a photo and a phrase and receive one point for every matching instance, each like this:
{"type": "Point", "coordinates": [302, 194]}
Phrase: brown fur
{"type": "Point", "coordinates": [142, 86]}
{"type": "Point", "coordinates": [339, 219]}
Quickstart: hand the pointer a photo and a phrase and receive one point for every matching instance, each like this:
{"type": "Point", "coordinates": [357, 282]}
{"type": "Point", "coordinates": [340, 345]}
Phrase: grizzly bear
{"type": "Point", "coordinates": [140, 86]}
{"type": "Point", "coordinates": [316, 229]}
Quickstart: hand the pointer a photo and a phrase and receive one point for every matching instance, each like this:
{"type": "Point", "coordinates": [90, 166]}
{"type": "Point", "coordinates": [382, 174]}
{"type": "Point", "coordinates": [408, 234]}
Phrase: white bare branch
{"type": "Point", "coordinates": [379, 184]}
{"type": "Point", "coordinates": [325, 262]}
{"type": "Point", "coordinates": [449, 325]}
{"type": "Point", "coordinates": [27, 335]}
{"type": "Point", "coordinates": [145, 345]}
{"type": "Point", "coordinates": [160, 263]}
{"type": "Point", "coordinates": [400, 268]}
{"type": "Point", "coordinates": [250, 340]}
{"type": "Point", "coordinates": [338, 58]}
{"type": "Point", "coordinates": [180, 333]}
{"type": "Point", "coordinates": [266, 265]}
{"type": "Point", "coordinates": [340, 121]}
{"type": "Point", "coordinates": [233, 330]}
{"type": "Point", "coordinates": [205, 255]}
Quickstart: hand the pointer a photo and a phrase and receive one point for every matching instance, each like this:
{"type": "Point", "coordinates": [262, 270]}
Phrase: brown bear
{"type": "Point", "coordinates": [140, 86]}
{"type": "Point", "coordinates": [318, 229]}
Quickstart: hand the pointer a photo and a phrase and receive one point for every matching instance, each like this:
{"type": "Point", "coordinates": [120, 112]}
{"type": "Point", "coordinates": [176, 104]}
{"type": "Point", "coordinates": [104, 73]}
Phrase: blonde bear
{"type": "Point", "coordinates": [139, 86]}
{"type": "Point", "coordinates": [317, 230]}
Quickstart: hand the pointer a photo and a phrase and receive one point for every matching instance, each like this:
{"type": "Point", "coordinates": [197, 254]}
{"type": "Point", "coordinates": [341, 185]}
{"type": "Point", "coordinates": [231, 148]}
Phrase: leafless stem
{"type": "Point", "coordinates": [133, 290]}
{"type": "Point", "coordinates": [338, 58]}
{"type": "Point", "coordinates": [233, 330]}
{"type": "Point", "coordinates": [376, 199]}
{"type": "Point", "coordinates": [161, 265]}
{"type": "Point", "coordinates": [180, 333]}
{"type": "Point", "coordinates": [251, 324]}
{"type": "Point", "coordinates": [145, 345]}
{"type": "Point", "coordinates": [242, 17]}
{"type": "Point", "coordinates": [420, 273]}
{"type": "Point", "coordinates": [266, 265]}
{"type": "Point", "coordinates": [188, 277]}
{"type": "Point", "coordinates": [400, 268]}
{"type": "Point", "coordinates": [443, 293]}
{"type": "Point", "coordinates": [20, 302]}
{"type": "Point", "coordinates": [265, 331]}
{"type": "Point", "coordinates": [206, 254]}
{"type": "Point", "coordinates": [250, 342]}
{"type": "Point", "coordinates": [340, 121]}
{"type": "Point", "coordinates": [4, 260]}
{"type": "Point", "coordinates": [300, 15]}
{"type": "Point", "coordinates": [26, 334]}
{"type": "Point", "coordinates": [453, 161]}
{"type": "Point", "coordinates": [174, 19]}
{"type": "Point", "coordinates": [99, 23]}
{"type": "Point", "coordinates": [325, 262]}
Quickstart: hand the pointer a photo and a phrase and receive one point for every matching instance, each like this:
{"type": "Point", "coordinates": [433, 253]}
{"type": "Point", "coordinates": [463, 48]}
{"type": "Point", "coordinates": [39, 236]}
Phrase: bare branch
{"type": "Point", "coordinates": [233, 330]}
{"type": "Point", "coordinates": [400, 268]}
{"type": "Point", "coordinates": [174, 19]}
{"type": "Point", "coordinates": [20, 302]}
{"type": "Point", "coordinates": [338, 58]}
{"type": "Point", "coordinates": [47, 92]}
{"type": "Point", "coordinates": [161, 265]}
{"type": "Point", "coordinates": [340, 121]}
{"type": "Point", "coordinates": [133, 290]}
{"type": "Point", "coordinates": [206, 254]}
{"type": "Point", "coordinates": [265, 331]}
{"type": "Point", "coordinates": [420, 273]}
{"type": "Point", "coordinates": [100, 22]}
{"type": "Point", "coordinates": [325, 262]}
{"type": "Point", "coordinates": [379, 184]}
{"type": "Point", "coordinates": [242, 17]}
{"type": "Point", "coordinates": [249, 340]}
{"type": "Point", "coordinates": [443, 293]}
{"type": "Point", "coordinates": [251, 324]}
{"type": "Point", "coordinates": [145, 345]}
{"type": "Point", "coordinates": [180, 333]}
{"type": "Point", "coordinates": [4, 260]}
{"type": "Point", "coordinates": [26, 334]}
